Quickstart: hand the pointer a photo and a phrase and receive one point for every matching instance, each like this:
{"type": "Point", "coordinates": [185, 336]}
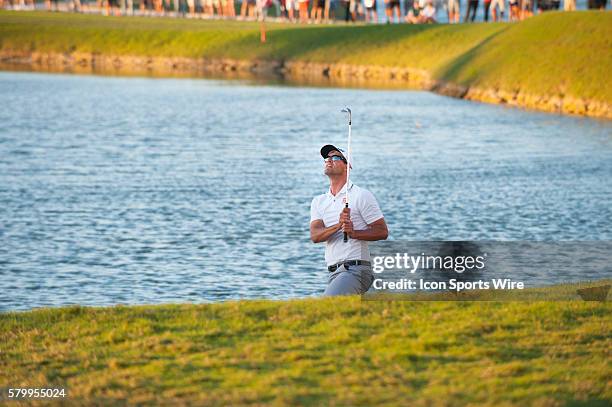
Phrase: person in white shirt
{"type": "Point", "coordinates": [429, 13]}
{"type": "Point", "coordinates": [348, 263]}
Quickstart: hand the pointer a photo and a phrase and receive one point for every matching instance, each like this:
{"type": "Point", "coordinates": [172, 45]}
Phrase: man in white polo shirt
{"type": "Point", "coordinates": [348, 263]}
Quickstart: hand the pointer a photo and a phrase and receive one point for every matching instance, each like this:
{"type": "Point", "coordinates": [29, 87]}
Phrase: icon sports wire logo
{"type": "Point", "coordinates": [491, 270]}
{"type": "Point", "coordinates": [411, 264]}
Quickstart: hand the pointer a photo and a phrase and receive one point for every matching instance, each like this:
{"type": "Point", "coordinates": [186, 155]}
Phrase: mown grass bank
{"type": "Point", "coordinates": [340, 351]}
{"type": "Point", "coordinates": [556, 61]}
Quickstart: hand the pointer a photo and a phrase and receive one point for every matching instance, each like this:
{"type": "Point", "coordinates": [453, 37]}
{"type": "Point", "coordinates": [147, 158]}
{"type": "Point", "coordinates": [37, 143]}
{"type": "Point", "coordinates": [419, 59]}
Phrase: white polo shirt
{"type": "Point", "coordinates": [364, 211]}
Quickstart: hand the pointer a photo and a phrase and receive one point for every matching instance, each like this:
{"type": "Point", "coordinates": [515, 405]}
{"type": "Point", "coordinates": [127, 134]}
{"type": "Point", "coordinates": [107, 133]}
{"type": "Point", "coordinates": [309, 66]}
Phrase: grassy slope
{"type": "Point", "coordinates": [332, 351]}
{"type": "Point", "coordinates": [555, 53]}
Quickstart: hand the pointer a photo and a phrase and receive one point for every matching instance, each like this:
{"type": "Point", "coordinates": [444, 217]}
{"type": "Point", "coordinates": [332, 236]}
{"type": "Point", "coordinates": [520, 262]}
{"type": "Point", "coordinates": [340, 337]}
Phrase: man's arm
{"type": "Point", "coordinates": [376, 230]}
{"type": "Point", "coordinates": [319, 233]}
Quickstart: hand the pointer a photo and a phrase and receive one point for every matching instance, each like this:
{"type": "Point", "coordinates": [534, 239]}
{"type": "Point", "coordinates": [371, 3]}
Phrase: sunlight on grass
{"type": "Point", "coordinates": [554, 54]}
{"type": "Point", "coordinates": [289, 352]}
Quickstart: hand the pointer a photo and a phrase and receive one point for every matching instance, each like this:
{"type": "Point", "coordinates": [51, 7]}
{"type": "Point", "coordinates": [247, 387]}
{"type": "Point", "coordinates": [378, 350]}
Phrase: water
{"type": "Point", "coordinates": [123, 190]}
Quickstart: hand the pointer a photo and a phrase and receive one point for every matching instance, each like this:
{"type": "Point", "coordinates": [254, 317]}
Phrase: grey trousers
{"type": "Point", "coordinates": [355, 280]}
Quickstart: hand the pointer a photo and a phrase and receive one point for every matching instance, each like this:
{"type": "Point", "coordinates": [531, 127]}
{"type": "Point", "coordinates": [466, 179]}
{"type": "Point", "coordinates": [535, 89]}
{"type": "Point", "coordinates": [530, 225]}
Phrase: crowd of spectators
{"type": "Point", "coordinates": [317, 11]}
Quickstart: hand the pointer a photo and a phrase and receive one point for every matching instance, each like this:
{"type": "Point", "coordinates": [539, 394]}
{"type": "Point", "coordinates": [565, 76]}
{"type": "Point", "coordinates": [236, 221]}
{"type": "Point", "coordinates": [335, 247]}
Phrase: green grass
{"type": "Point", "coordinates": [551, 54]}
{"type": "Point", "coordinates": [339, 351]}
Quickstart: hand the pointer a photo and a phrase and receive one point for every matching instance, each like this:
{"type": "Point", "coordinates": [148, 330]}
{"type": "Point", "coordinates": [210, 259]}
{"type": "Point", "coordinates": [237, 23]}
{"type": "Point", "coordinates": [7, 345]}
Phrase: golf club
{"type": "Point", "coordinates": [348, 164]}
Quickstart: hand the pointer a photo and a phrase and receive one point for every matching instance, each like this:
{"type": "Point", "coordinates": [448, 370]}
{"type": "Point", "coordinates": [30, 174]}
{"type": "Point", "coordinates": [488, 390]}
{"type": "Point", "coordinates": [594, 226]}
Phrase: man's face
{"type": "Point", "coordinates": [334, 166]}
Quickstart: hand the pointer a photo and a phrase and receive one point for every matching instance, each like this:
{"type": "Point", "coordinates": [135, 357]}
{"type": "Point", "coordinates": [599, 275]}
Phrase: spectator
{"type": "Point", "coordinates": [208, 7]}
{"type": "Point", "coordinates": [303, 4]}
{"type": "Point", "coordinates": [190, 6]}
{"type": "Point", "coordinates": [453, 7]}
{"type": "Point", "coordinates": [486, 5]}
{"type": "Point", "coordinates": [290, 7]}
{"type": "Point", "coordinates": [418, 11]}
{"type": "Point", "coordinates": [330, 7]}
{"type": "Point", "coordinates": [547, 5]}
{"type": "Point", "coordinates": [127, 7]}
{"type": "Point", "coordinates": [111, 7]}
{"type": "Point", "coordinates": [421, 12]}
{"type": "Point", "coordinates": [514, 10]}
{"type": "Point", "coordinates": [526, 8]}
{"type": "Point", "coordinates": [277, 7]}
{"type": "Point", "coordinates": [495, 5]}
{"type": "Point", "coordinates": [26, 4]}
{"type": "Point", "coordinates": [317, 10]}
{"type": "Point", "coordinates": [219, 6]}
{"type": "Point", "coordinates": [428, 14]}
{"type": "Point", "coordinates": [390, 7]}
{"type": "Point", "coordinates": [73, 5]}
{"type": "Point", "coordinates": [356, 9]}
{"type": "Point", "coordinates": [230, 8]}
{"type": "Point", "coordinates": [346, 5]}
{"type": "Point", "coordinates": [414, 11]}
{"type": "Point", "coordinates": [370, 11]}
{"type": "Point", "coordinates": [262, 7]}
{"type": "Point", "coordinates": [248, 8]}
{"type": "Point", "coordinates": [472, 7]}
{"type": "Point", "coordinates": [597, 4]}
{"type": "Point", "coordinates": [143, 5]}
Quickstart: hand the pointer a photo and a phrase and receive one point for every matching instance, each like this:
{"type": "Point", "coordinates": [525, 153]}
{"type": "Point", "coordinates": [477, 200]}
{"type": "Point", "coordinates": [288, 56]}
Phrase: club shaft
{"type": "Point", "coordinates": [348, 167]}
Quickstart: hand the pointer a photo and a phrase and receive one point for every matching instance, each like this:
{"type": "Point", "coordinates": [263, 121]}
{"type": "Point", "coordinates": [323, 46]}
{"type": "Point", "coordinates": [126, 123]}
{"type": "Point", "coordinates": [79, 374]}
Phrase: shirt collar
{"type": "Point", "coordinates": [342, 191]}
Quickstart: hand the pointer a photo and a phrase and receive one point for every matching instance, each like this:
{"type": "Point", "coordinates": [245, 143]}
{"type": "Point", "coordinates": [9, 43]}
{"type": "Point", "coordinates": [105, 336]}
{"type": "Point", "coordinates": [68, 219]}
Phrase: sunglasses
{"type": "Point", "coordinates": [335, 158]}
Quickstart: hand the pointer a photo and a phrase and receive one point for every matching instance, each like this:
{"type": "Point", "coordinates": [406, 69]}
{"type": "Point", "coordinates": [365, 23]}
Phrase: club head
{"type": "Point", "coordinates": [347, 110]}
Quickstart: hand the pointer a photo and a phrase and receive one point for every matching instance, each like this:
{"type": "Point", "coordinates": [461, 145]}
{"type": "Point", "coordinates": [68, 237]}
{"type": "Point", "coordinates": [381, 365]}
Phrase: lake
{"type": "Point", "coordinates": [138, 190]}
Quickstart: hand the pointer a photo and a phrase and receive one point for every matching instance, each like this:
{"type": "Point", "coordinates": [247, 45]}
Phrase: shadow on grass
{"type": "Point", "coordinates": [292, 44]}
{"type": "Point", "coordinates": [452, 71]}
{"type": "Point", "coordinates": [588, 402]}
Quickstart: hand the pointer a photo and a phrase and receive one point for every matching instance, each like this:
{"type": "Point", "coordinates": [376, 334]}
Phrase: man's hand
{"type": "Point", "coordinates": [345, 216]}
{"type": "Point", "coordinates": [347, 227]}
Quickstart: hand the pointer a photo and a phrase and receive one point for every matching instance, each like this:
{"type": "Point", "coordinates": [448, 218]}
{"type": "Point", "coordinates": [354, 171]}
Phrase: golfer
{"type": "Point", "coordinates": [348, 263]}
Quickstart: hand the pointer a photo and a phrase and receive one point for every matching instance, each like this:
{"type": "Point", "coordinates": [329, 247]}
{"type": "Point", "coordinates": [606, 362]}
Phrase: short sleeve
{"type": "Point", "coordinates": [314, 210]}
{"type": "Point", "coordinates": [370, 211]}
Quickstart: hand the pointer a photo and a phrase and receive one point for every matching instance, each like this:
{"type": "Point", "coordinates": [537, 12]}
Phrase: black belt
{"type": "Point", "coordinates": [333, 268]}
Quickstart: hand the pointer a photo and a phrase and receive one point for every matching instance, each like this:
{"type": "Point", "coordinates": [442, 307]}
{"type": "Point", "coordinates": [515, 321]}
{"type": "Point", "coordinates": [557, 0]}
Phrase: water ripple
{"type": "Point", "coordinates": [117, 190]}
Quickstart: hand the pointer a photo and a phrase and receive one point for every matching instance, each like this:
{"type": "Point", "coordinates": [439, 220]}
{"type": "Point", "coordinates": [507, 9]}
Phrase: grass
{"type": "Point", "coordinates": [335, 351]}
{"type": "Point", "coordinates": [568, 54]}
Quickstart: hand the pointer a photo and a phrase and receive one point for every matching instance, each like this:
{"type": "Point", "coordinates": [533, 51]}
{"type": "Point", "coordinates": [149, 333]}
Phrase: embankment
{"type": "Point", "coordinates": [555, 62]}
{"type": "Point", "coordinates": [335, 351]}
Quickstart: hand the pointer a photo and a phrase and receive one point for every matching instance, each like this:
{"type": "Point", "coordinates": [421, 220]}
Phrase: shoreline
{"type": "Point", "coordinates": [295, 72]}
{"type": "Point", "coordinates": [586, 291]}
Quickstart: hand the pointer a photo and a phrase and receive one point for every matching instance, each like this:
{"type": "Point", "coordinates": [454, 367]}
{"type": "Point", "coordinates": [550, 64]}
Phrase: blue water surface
{"type": "Point", "coordinates": [136, 190]}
